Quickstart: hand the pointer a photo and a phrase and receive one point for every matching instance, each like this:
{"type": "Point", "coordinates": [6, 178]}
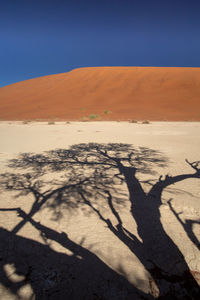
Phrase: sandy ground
{"type": "Point", "coordinates": [176, 141]}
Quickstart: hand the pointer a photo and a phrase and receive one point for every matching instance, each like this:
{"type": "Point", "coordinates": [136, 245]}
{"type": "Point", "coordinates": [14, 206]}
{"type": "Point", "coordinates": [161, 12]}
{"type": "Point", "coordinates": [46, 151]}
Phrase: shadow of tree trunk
{"type": "Point", "coordinates": [170, 277]}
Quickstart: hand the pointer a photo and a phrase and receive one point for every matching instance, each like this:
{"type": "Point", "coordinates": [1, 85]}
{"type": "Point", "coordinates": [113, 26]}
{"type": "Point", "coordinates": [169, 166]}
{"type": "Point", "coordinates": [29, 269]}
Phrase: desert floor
{"type": "Point", "coordinates": [83, 242]}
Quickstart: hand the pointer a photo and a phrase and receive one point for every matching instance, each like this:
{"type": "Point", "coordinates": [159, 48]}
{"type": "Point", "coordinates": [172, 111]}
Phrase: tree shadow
{"type": "Point", "coordinates": [89, 175]}
{"type": "Point", "coordinates": [56, 275]}
{"type": "Point", "coordinates": [187, 225]}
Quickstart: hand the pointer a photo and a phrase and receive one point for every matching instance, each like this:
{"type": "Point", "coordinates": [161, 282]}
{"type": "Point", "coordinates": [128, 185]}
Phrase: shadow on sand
{"type": "Point", "coordinates": [55, 275]}
{"type": "Point", "coordinates": [90, 175]}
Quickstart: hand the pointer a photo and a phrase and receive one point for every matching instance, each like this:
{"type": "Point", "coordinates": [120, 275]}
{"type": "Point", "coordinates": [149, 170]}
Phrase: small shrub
{"type": "Point", "coordinates": [133, 121]}
{"type": "Point", "coordinates": [94, 117]}
{"type": "Point", "coordinates": [68, 122]}
{"type": "Point", "coordinates": [145, 122]}
{"type": "Point", "coordinates": [106, 112]}
{"type": "Point", "coordinates": [26, 121]}
{"type": "Point", "coordinates": [51, 123]}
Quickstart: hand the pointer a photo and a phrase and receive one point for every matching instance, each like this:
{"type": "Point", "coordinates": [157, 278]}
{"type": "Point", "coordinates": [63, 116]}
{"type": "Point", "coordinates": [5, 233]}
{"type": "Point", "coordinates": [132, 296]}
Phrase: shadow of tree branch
{"type": "Point", "coordinates": [93, 174]}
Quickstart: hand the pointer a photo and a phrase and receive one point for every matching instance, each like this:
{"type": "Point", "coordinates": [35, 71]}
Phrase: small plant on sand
{"type": "Point", "coordinates": [26, 121]}
{"type": "Point", "coordinates": [106, 112]}
{"type": "Point", "coordinates": [133, 121]}
{"type": "Point", "coordinates": [94, 117]}
{"type": "Point", "coordinates": [68, 122]}
{"type": "Point", "coordinates": [51, 123]}
{"type": "Point", "coordinates": [145, 122]}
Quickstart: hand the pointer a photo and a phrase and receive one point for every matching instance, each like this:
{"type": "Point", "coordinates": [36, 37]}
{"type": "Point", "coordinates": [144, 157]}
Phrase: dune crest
{"type": "Point", "coordinates": [115, 93]}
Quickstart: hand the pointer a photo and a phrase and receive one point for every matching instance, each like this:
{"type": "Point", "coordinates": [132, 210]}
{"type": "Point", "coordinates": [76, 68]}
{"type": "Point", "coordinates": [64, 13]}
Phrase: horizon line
{"type": "Point", "coordinates": [87, 67]}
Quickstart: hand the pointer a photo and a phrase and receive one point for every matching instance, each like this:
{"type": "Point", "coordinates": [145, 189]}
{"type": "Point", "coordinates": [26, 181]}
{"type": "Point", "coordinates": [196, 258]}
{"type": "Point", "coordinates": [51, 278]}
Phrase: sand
{"type": "Point", "coordinates": [107, 93]}
{"type": "Point", "coordinates": [40, 261]}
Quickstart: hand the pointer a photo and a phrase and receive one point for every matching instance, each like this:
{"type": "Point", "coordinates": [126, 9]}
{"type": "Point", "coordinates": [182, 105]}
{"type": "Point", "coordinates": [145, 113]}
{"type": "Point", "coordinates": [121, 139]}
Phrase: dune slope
{"type": "Point", "coordinates": [125, 92]}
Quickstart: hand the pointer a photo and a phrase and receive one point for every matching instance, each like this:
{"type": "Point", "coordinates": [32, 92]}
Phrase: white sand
{"type": "Point", "coordinates": [176, 140]}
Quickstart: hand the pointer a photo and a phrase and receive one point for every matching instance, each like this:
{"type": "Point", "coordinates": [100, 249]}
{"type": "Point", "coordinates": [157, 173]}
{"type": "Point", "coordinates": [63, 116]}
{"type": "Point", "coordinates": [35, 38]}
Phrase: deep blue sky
{"type": "Point", "coordinates": [41, 37]}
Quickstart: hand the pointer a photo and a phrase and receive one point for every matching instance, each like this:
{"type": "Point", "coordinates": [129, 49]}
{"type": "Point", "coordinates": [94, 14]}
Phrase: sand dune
{"type": "Point", "coordinates": [151, 93]}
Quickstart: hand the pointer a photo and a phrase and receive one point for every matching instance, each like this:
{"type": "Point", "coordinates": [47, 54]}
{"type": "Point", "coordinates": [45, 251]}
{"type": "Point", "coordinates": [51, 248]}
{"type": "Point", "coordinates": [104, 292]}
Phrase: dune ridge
{"type": "Point", "coordinates": [153, 93]}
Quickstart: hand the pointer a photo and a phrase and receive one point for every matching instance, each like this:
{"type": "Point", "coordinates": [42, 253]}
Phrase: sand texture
{"type": "Point", "coordinates": [99, 210]}
{"type": "Point", "coordinates": [113, 93]}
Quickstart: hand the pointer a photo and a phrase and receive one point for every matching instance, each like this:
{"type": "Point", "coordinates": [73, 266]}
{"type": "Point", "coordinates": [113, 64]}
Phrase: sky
{"type": "Point", "coordinates": [43, 37]}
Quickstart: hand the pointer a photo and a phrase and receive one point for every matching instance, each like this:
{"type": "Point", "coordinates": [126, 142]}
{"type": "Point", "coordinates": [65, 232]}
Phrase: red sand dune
{"type": "Point", "coordinates": [140, 93]}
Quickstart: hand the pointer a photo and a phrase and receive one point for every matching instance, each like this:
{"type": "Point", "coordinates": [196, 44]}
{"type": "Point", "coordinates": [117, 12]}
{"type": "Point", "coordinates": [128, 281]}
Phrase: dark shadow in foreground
{"type": "Point", "coordinates": [55, 275]}
{"type": "Point", "coordinates": [93, 175]}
